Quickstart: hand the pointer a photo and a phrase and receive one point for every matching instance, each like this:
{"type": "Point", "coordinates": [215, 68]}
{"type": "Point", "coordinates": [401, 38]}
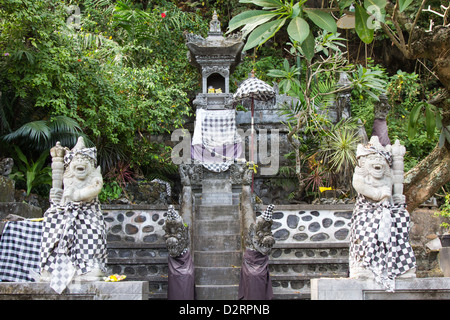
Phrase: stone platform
{"type": "Point", "coordinates": [96, 290]}
{"type": "Point", "coordinates": [405, 289]}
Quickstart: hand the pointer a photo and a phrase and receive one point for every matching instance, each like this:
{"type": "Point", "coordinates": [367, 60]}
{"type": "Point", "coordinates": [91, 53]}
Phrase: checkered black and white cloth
{"type": "Point", "coordinates": [73, 242]}
{"type": "Point", "coordinates": [20, 245]}
{"type": "Point", "coordinates": [268, 213]}
{"type": "Point", "coordinates": [380, 240]}
{"type": "Point", "coordinates": [254, 88]}
{"type": "Point", "coordinates": [216, 143]}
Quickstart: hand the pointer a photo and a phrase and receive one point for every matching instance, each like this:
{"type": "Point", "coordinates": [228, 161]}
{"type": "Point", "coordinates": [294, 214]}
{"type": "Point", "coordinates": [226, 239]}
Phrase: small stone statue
{"type": "Point", "coordinates": [74, 232]}
{"type": "Point", "coordinates": [260, 233]}
{"type": "Point", "coordinates": [379, 243]}
{"type": "Point", "coordinates": [176, 233]}
{"type": "Point", "coordinates": [6, 166]}
{"type": "Point", "coordinates": [255, 282]}
{"type": "Point", "coordinates": [181, 281]}
{"type": "Point", "coordinates": [380, 129]}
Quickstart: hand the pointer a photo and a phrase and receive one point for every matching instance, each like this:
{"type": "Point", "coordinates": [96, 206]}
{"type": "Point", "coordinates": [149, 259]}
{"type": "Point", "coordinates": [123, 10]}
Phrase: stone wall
{"type": "Point", "coordinates": [311, 241]}
{"type": "Point", "coordinates": [311, 223]}
{"type": "Point", "coordinates": [291, 223]}
{"type": "Point", "coordinates": [135, 223]}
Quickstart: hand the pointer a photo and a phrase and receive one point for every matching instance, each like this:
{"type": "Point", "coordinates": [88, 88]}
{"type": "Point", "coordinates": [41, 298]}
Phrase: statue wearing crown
{"type": "Point", "coordinates": [379, 241]}
{"type": "Point", "coordinates": [74, 232]}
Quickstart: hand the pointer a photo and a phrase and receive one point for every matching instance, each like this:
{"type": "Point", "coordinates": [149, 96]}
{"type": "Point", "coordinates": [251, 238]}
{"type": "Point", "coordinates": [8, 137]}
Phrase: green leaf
{"type": "Point", "coordinates": [21, 156]}
{"type": "Point", "coordinates": [376, 8]}
{"type": "Point", "coordinates": [30, 179]}
{"type": "Point", "coordinates": [403, 4]}
{"type": "Point", "coordinates": [413, 117]}
{"type": "Point", "coordinates": [276, 73]}
{"type": "Point", "coordinates": [379, 3]}
{"type": "Point", "coordinates": [298, 29]}
{"type": "Point", "coordinates": [295, 10]}
{"type": "Point", "coordinates": [308, 46]}
{"type": "Point", "coordinates": [250, 19]}
{"type": "Point", "coordinates": [263, 33]}
{"type": "Point", "coordinates": [323, 20]}
{"type": "Point", "coordinates": [264, 3]}
{"type": "Point", "coordinates": [430, 121]}
{"type": "Point", "coordinates": [364, 32]}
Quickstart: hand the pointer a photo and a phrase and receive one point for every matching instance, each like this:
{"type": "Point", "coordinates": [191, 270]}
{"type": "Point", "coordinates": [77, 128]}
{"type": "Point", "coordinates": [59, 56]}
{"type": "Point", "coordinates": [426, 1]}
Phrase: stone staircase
{"type": "Point", "coordinates": [292, 266]}
{"type": "Point", "coordinates": [140, 262]}
{"type": "Point", "coordinates": [217, 242]}
{"type": "Point", "coordinates": [216, 248]}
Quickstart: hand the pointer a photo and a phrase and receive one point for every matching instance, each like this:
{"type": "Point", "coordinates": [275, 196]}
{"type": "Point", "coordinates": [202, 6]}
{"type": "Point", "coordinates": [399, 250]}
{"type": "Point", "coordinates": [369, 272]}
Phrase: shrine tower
{"type": "Point", "coordinates": [213, 181]}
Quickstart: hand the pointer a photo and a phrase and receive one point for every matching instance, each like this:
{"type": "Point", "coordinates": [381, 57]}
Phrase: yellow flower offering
{"type": "Point", "coordinates": [114, 278]}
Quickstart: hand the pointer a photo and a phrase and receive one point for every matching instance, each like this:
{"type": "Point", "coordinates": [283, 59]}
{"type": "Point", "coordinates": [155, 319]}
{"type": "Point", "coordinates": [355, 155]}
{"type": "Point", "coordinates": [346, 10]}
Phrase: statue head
{"type": "Point", "coordinates": [80, 161]}
{"type": "Point", "coordinates": [382, 107]}
{"type": "Point", "coordinates": [82, 180]}
{"type": "Point", "coordinates": [374, 160]}
{"type": "Point", "coordinates": [260, 236]}
{"type": "Point", "coordinates": [176, 233]}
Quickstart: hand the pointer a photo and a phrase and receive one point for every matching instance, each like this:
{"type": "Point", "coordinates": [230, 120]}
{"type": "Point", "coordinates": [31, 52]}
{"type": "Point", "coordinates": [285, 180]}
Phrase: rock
{"type": "Point", "coordinates": [434, 245]}
{"type": "Point", "coordinates": [6, 189]}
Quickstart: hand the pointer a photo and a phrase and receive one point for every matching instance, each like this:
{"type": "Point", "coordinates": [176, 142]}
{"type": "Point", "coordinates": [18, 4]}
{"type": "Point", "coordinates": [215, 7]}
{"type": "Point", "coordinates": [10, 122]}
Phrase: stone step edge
{"type": "Point", "coordinates": [140, 261]}
{"type": "Point", "coordinates": [311, 245]}
{"type": "Point", "coordinates": [292, 277]}
{"type": "Point", "coordinates": [134, 245]}
{"type": "Point", "coordinates": [309, 261]}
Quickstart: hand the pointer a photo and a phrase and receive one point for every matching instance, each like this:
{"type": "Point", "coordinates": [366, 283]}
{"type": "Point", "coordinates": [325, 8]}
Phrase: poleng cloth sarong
{"type": "Point", "coordinates": [181, 280]}
{"type": "Point", "coordinates": [255, 282]}
{"type": "Point", "coordinates": [73, 242]}
{"type": "Point", "coordinates": [379, 240]}
{"type": "Point", "coordinates": [216, 143]}
{"type": "Point", "coordinates": [20, 245]}
{"type": "Point", "coordinates": [216, 159]}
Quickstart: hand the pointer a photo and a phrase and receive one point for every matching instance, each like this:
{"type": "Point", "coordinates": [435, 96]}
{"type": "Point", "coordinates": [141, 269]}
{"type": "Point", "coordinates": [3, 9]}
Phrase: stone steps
{"type": "Point", "coordinates": [292, 266]}
{"type": "Point", "coordinates": [217, 247]}
{"type": "Point", "coordinates": [140, 262]}
{"type": "Point", "coordinates": [217, 292]}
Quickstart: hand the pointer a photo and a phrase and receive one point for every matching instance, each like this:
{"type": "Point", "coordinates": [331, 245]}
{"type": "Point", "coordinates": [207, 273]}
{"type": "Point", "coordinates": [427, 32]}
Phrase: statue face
{"type": "Point", "coordinates": [80, 166]}
{"type": "Point", "coordinates": [177, 237]}
{"type": "Point", "coordinates": [376, 165]}
{"type": "Point", "coordinates": [262, 239]}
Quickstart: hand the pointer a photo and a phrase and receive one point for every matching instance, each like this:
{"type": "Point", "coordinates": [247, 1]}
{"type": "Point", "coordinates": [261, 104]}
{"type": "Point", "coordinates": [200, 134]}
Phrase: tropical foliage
{"type": "Point", "coordinates": [116, 73]}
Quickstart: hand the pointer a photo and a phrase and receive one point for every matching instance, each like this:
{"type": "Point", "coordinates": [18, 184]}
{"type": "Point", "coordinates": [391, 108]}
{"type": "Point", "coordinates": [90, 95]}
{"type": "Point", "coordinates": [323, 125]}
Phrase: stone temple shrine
{"type": "Point", "coordinates": [213, 180]}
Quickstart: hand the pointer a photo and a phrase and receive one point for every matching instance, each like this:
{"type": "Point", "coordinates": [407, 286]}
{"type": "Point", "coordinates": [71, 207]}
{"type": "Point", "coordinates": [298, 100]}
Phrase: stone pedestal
{"type": "Point", "coordinates": [444, 261]}
{"type": "Point", "coordinates": [98, 290]}
{"type": "Point", "coordinates": [405, 289]}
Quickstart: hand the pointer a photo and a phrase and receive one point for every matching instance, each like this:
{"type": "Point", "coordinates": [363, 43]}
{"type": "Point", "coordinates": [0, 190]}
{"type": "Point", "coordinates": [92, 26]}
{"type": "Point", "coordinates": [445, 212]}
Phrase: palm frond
{"type": "Point", "coordinates": [35, 131]}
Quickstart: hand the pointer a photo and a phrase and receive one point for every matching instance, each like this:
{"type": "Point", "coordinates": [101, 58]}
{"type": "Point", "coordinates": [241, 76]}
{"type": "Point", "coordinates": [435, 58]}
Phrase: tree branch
{"type": "Point", "coordinates": [415, 22]}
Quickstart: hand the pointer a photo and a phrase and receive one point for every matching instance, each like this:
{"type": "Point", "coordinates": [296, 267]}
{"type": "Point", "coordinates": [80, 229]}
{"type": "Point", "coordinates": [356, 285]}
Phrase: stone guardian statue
{"type": "Point", "coordinates": [74, 232]}
{"type": "Point", "coordinates": [181, 281]}
{"type": "Point", "coordinates": [255, 282]}
{"type": "Point", "coordinates": [379, 241]}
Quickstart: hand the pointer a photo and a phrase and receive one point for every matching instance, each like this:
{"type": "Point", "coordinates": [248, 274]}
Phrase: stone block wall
{"type": "Point", "coordinates": [311, 223]}
{"type": "Point", "coordinates": [135, 223]}
{"type": "Point", "coordinates": [142, 224]}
